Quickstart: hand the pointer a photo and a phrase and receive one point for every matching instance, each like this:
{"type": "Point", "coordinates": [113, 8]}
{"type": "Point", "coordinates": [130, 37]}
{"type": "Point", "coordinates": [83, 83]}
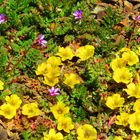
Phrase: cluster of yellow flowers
{"type": "Point", "coordinates": [13, 102]}
{"type": "Point", "coordinates": [121, 74]}
{"type": "Point", "coordinates": [51, 68]}
{"type": "Point", "coordinates": [84, 132]}
{"type": "Point", "coordinates": [61, 112]}
{"type": "Point", "coordinates": [8, 109]}
{"type": "Point", "coordinates": [132, 119]}
{"type": "Point", "coordinates": [84, 53]}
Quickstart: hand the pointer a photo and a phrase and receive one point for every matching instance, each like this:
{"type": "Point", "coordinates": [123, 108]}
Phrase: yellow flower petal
{"type": "Point", "coordinates": [136, 106]}
{"type": "Point", "coordinates": [14, 101]}
{"type": "Point", "coordinates": [65, 53]}
{"type": "Point", "coordinates": [51, 81]}
{"type": "Point", "coordinates": [65, 123]}
{"type": "Point", "coordinates": [41, 69]}
{"type": "Point", "coordinates": [122, 75]}
{"type": "Point", "coordinates": [54, 61]}
{"type": "Point", "coordinates": [71, 80]}
{"type": "Point", "coordinates": [86, 132]}
{"type": "Point", "coordinates": [31, 110]}
{"type": "Point", "coordinates": [53, 135]}
{"type": "Point", "coordinates": [134, 121]}
{"type": "Point", "coordinates": [1, 85]}
{"type": "Point", "coordinates": [117, 63]}
{"type": "Point", "coordinates": [122, 119]}
{"type": "Point", "coordinates": [59, 110]}
{"type": "Point", "coordinates": [133, 90]}
{"type": "Point", "coordinates": [7, 111]}
{"type": "Point", "coordinates": [114, 101]}
{"type": "Point", "coordinates": [118, 138]}
{"type": "Point", "coordinates": [130, 57]}
{"type": "Point", "coordinates": [85, 52]}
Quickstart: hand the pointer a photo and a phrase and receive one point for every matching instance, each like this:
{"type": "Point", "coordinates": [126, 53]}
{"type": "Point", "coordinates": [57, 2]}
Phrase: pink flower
{"type": "Point", "coordinates": [138, 17]}
{"type": "Point", "coordinates": [54, 91]}
{"type": "Point", "coordinates": [41, 40]}
{"type": "Point", "coordinates": [2, 18]}
{"type": "Point", "coordinates": [78, 14]}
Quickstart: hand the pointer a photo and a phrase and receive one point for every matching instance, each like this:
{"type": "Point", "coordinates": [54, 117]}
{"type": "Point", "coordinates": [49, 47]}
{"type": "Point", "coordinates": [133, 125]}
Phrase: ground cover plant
{"type": "Point", "coordinates": [69, 70]}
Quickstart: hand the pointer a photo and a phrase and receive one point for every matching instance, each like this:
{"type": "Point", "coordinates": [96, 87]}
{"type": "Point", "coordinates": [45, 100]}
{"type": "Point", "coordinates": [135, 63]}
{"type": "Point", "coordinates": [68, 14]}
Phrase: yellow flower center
{"type": "Point", "coordinates": [115, 103]}
{"type": "Point", "coordinates": [124, 122]}
{"type": "Point", "coordinates": [64, 125]}
{"type": "Point", "coordinates": [52, 138]}
{"type": "Point", "coordinates": [130, 59]}
{"type": "Point", "coordinates": [13, 102]}
{"type": "Point", "coordinates": [7, 111]}
{"type": "Point", "coordinates": [65, 54]}
{"type": "Point", "coordinates": [87, 133]}
{"type": "Point", "coordinates": [60, 111]}
{"type": "Point", "coordinates": [31, 110]}
{"type": "Point", "coordinates": [123, 77]}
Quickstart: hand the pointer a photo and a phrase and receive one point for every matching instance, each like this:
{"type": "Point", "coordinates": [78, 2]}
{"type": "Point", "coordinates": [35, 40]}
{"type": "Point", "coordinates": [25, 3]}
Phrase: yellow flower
{"type": "Point", "coordinates": [136, 106]}
{"type": "Point", "coordinates": [118, 138]}
{"type": "Point", "coordinates": [65, 53]}
{"type": "Point", "coordinates": [7, 111]}
{"type": "Point", "coordinates": [85, 52]}
{"type": "Point", "coordinates": [130, 57]}
{"type": "Point", "coordinates": [122, 119]}
{"type": "Point", "coordinates": [51, 81]}
{"type": "Point", "coordinates": [54, 61]}
{"type": "Point", "coordinates": [1, 85]}
{"type": "Point", "coordinates": [65, 123]}
{"type": "Point", "coordinates": [133, 90]}
{"type": "Point", "coordinates": [86, 132]}
{"type": "Point", "coordinates": [31, 110]}
{"type": "Point", "coordinates": [117, 63]}
{"type": "Point", "coordinates": [114, 101]}
{"type": "Point", "coordinates": [71, 80]}
{"type": "Point", "coordinates": [53, 135]}
{"type": "Point", "coordinates": [52, 71]}
{"type": "Point", "coordinates": [59, 110]}
{"type": "Point", "coordinates": [134, 121]}
{"type": "Point", "coordinates": [122, 75]}
{"type": "Point", "coordinates": [14, 101]}
{"type": "Point", "coordinates": [124, 50]}
{"type": "Point", "coordinates": [41, 69]}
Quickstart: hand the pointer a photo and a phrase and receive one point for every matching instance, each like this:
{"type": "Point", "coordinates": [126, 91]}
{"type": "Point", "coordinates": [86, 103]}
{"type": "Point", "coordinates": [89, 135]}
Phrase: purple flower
{"type": "Point", "coordinates": [138, 17]}
{"type": "Point", "coordinates": [2, 18]}
{"type": "Point", "coordinates": [77, 14]}
{"type": "Point", "coordinates": [54, 91]}
{"type": "Point", "coordinates": [41, 40]}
